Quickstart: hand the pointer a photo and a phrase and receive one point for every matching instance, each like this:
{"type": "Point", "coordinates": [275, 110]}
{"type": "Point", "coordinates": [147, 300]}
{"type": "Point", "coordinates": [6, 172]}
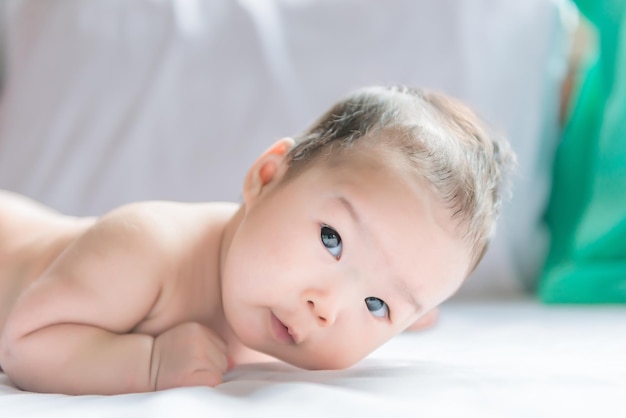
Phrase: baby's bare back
{"type": "Point", "coordinates": [31, 237]}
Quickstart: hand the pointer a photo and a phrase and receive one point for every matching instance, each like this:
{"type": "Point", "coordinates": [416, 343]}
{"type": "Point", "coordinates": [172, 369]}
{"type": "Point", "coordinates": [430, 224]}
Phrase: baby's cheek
{"type": "Point", "coordinates": [426, 321]}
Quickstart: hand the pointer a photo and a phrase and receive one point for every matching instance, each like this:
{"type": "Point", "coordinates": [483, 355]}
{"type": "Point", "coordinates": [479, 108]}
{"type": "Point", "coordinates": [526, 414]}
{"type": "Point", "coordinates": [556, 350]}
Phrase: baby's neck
{"type": "Point", "coordinates": [235, 347]}
{"type": "Point", "coordinates": [228, 233]}
{"type": "Point", "coordinates": [237, 352]}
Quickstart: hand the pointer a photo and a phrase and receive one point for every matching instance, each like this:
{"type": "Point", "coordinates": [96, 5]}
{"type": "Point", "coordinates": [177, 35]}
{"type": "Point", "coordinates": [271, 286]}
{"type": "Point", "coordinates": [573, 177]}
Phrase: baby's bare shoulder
{"type": "Point", "coordinates": [158, 226]}
{"type": "Point", "coordinates": [142, 225]}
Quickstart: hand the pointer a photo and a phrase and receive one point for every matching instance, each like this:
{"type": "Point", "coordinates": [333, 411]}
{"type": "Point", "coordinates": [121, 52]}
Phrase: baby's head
{"type": "Point", "coordinates": [429, 135]}
{"type": "Point", "coordinates": [371, 218]}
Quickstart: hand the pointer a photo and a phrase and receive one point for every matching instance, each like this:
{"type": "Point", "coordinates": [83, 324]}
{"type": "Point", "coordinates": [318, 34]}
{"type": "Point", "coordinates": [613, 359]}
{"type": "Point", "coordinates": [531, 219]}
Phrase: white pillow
{"type": "Point", "coordinates": [111, 101]}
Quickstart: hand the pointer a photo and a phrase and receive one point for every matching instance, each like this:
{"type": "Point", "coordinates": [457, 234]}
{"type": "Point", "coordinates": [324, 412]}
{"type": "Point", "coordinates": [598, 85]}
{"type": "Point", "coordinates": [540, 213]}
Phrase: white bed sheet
{"type": "Point", "coordinates": [507, 358]}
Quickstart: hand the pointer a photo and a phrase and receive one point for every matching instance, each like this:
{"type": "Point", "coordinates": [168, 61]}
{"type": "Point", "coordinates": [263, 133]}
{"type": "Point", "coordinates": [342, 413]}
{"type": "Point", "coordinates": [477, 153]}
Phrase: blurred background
{"type": "Point", "coordinates": [109, 101]}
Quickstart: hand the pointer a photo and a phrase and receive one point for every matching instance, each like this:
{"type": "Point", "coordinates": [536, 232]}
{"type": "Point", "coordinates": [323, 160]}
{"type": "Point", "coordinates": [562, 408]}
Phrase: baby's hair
{"type": "Point", "coordinates": [441, 139]}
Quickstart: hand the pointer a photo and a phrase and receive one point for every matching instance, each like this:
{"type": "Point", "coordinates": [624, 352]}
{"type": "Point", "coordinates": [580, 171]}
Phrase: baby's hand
{"type": "Point", "coordinates": [189, 354]}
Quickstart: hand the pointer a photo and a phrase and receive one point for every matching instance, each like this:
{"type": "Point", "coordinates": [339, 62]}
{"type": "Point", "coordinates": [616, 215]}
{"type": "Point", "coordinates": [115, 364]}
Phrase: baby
{"type": "Point", "coordinates": [346, 236]}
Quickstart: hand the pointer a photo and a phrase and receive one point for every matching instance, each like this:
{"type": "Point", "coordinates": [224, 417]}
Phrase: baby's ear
{"type": "Point", "coordinates": [269, 168]}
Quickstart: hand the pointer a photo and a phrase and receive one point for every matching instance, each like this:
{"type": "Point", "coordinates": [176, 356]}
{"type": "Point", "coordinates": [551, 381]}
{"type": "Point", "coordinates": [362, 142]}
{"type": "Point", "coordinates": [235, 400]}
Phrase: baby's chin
{"type": "Point", "coordinates": [317, 361]}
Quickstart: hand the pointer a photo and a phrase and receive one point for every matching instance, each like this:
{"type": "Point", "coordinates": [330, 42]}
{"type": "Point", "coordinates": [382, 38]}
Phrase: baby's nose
{"type": "Point", "coordinates": [324, 309]}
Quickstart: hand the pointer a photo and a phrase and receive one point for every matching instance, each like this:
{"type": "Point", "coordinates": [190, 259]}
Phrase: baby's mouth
{"type": "Point", "coordinates": [281, 332]}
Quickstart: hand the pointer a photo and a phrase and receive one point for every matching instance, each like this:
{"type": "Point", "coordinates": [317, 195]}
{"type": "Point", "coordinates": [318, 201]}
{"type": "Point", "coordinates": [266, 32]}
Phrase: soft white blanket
{"type": "Point", "coordinates": [511, 358]}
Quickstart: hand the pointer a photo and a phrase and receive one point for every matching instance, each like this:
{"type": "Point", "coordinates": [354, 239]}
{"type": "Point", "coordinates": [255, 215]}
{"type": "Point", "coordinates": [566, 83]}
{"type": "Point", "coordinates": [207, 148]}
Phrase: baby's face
{"type": "Point", "coordinates": [331, 264]}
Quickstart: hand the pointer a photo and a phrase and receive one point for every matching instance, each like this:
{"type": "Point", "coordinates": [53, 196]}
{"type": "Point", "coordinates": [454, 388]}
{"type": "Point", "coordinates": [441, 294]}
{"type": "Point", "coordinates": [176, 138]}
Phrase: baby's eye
{"type": "Point", "coordinates": [332, 241]}
{"type": "Point", "coordinates": [377, 307]}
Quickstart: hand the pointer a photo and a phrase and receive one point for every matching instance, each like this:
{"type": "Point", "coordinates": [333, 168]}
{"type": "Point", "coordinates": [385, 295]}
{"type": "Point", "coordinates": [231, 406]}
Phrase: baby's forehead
{"type": "Point", "coordinates": [395, 206]}
{"type": "Point", "coordinates": [381, 160]}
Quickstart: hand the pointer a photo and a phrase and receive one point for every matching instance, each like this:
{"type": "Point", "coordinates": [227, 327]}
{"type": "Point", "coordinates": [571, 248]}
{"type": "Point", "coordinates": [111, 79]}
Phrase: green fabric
{"type": "Point", "coordinates": [587, 210]}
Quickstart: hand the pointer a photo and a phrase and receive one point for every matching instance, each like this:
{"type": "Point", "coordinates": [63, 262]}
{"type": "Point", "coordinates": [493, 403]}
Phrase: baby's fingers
{"type": "Point", "coordinates": [219, 361]}
{"type": "Point", "coordinates": [209, 378]}
{"type": "Point", "coordinates": [215, 355]}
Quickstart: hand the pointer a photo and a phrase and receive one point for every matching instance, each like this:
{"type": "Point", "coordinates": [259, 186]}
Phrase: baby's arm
{"type": "Point", "coordinates": [71, 332]}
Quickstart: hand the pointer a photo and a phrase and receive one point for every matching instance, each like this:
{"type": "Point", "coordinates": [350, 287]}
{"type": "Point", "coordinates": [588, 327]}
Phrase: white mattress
{"type": "Point", "coordinates": [510, 358]}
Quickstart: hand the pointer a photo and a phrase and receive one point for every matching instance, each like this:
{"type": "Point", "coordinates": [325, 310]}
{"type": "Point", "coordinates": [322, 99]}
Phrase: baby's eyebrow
{"type": "Point", "coordinates": [398, 283]}
{"type": "Point", "coordinates": [350, 208]}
